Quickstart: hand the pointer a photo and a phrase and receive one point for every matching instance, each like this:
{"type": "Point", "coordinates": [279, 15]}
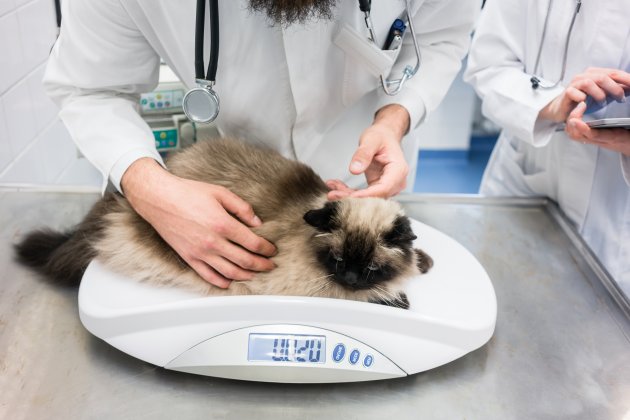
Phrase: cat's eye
{"type": "Point", "coordinates": [372, 267]}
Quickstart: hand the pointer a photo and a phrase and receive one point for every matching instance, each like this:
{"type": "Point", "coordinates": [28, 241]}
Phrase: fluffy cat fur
{"type": "Point", "coordinates": [354, 248]}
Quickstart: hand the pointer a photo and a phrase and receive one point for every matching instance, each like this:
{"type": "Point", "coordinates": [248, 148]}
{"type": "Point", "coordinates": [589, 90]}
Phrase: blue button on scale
{"type": "Point", "coordinates": [339, 352]}
{"type": "Point", "coordinates": [354, 356]}
{"type": "Point", "coordinates": [368, 361]}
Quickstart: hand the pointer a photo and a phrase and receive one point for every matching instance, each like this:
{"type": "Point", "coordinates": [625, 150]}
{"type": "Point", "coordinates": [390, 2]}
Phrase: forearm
{"type": "Point", "coordinates": [395, 117]}
{"type": "Point", "coordinates": [142, 181]}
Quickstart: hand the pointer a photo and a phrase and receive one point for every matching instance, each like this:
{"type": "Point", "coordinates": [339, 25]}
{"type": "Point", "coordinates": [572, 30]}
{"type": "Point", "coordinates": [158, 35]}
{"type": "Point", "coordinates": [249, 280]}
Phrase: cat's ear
{"type": "Point", "coordinates": [401, 233]}
{"type": "Point", "coordinates": [323, 219]}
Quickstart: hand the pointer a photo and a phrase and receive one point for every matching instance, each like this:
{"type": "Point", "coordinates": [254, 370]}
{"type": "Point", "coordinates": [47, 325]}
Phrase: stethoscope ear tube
{"type": "Point", "coordinates": [200, 22]}
{"type": "Point", "coordinates": [214, 41]}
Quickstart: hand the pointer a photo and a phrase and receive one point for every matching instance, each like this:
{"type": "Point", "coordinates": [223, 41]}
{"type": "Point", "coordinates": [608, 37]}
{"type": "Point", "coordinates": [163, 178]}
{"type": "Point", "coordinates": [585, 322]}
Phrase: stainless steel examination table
{"type": "Point", "coordinates": [561, 349]}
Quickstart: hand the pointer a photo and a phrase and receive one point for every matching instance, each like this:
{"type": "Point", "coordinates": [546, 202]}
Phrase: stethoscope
{"type": "Point", "coordinates": [535, 81]}
{"type": "Point", "coordinates": [201, 104]}
{"type": "Point", "coordinates": [393, 87]}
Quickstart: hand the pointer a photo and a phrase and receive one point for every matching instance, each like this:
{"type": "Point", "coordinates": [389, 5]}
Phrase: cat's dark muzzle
{"type": "Point", "coordinates": [352, 281]}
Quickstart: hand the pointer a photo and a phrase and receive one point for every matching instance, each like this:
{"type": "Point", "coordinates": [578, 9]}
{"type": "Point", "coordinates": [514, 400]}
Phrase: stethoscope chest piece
{"type": "Point", "coordinates": [201, 105]}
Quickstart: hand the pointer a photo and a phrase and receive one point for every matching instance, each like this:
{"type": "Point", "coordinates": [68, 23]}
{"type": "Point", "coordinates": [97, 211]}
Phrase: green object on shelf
{"type": "Point", "coordinates": [165, 139]}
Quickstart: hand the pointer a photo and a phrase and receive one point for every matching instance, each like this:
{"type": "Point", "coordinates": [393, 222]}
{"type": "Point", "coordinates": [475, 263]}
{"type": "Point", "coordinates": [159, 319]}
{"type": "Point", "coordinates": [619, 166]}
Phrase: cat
{"type": "Point", "coordinates": [354, 248]}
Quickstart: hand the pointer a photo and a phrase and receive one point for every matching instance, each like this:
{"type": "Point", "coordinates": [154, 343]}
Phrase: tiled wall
{"type": "Point", "coordinates": [35, 147]}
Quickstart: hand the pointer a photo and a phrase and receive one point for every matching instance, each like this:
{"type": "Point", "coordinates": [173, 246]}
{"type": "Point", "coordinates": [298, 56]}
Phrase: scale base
{"type": "Point", "coordinates": [453, 312]}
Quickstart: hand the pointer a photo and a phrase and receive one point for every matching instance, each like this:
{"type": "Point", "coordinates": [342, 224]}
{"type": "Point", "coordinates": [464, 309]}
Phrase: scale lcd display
{"type": "Point", "coordinates": [295, 348]}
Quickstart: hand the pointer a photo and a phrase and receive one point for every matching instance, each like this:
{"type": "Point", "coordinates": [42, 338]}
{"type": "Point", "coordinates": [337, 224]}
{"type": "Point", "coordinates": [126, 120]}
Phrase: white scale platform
{"type": "Point", "coordinates": [453, 312]}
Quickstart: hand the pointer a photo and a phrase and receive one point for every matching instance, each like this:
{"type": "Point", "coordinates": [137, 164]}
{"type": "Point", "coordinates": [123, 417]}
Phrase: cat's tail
{"type": "Point", "coordinates": [61, 257]}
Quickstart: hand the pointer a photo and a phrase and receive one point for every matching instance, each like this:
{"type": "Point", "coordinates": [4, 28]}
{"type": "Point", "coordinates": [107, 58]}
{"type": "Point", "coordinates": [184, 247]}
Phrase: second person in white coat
{"type": "Point", "coordinates": [586, 171]}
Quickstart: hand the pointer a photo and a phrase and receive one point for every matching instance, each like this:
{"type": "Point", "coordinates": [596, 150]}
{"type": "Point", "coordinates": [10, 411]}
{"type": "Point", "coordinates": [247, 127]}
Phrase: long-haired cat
{"type": "Point", "coordinates": [354, 248]}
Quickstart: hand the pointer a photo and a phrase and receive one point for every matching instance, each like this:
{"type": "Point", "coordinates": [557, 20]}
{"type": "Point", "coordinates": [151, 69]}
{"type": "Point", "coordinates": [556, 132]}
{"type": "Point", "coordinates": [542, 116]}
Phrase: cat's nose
{"type": "Point", "coordinates": [351, 278]}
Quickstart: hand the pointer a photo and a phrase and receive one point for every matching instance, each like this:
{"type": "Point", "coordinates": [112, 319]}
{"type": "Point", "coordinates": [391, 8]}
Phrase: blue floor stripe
{"type": "Point", "coordinates": [448, 171]}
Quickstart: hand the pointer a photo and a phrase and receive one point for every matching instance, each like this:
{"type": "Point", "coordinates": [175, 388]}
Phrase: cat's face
{"type": "Point", "coordinates": [362, 242]}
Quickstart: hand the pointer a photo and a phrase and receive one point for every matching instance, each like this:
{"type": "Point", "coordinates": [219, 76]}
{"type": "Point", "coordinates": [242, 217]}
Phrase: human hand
{"type": "Point", "coordinates": [207, 225]}
{"type": "Point", "coordinates": [616, 139]}
{"type": "Point", "coordinates": [598, 83]}
{"type": "Point", "coordinates": [379, 157]}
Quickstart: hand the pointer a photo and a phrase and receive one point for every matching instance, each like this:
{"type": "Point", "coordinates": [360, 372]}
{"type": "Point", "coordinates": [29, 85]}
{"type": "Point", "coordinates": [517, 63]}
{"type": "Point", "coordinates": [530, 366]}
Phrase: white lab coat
{"type": "Point", "coordinates": [306, 90]}
{"type": "Point", "coordinates": [591, 184]}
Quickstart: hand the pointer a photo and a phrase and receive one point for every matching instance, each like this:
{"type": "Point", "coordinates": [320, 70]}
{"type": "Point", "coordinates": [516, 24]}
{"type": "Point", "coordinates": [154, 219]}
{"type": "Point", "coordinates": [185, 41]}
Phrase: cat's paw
{"type": "Point", "coordinates": [400, 302]}
{"type": "Point", "coordinates": [424, 261]}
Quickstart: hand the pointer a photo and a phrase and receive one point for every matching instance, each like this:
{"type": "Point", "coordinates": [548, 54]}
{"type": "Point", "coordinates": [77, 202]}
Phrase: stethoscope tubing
{"type": "Point", "coordinates": [409, 71]}
{"type": "Point", "coordinates": [200, 22]}
{"type": "Point", "coordinates": [535, 81]}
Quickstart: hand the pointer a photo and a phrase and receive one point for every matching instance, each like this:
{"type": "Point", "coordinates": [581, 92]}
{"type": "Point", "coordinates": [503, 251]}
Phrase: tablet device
{"type": "Point", "coordinates": [604, 123]}
{"type": "Point", "coordinates": [610, 123]}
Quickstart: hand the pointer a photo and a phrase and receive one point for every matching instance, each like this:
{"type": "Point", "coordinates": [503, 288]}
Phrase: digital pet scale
{"type": "Point", "coordinates": [299, 339]}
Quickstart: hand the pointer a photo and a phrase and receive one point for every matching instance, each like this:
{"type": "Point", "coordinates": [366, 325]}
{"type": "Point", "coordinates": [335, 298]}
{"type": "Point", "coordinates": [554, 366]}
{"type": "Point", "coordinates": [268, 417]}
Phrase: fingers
{"type": "Point", "coordinates": [621, 77]}
{"type": "Point", "coordinates": [575, 128]}
{"type": "Point", "coordinates": [578, 111]}
{"type": "Point", "coordinates": [338, 189]}
{"type": "Point", "coordinates": [601, 82]}
{"type": "Point", "coordinates": [228, 269]}
{"type": "Point", "coordinates": [238, 207]}
{"type": "Point", "coordinates": [208, 274]}
{"type": "Point", "coordinates": [243, 236]}
{"type": "Point", "coordinates": [244, 259]}
{"type": "Point", "coordinates": [364, 155]}
{"type": "Point", "coordinates": [591, 88]}
{"type": "Point", "coordinates": [575, 94]}
{"type": "Point", "coordinates": [392, 181]}
{"type": "Point", "coordinates": [375, 190]}
{"type": "Point", "coordinates": [237, 232]}
{"type": "Point", "coordinates": [335, 184]}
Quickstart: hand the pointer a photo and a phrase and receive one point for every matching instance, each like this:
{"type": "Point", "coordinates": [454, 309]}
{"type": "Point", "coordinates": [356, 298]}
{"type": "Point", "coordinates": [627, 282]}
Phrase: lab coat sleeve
{"type": "Point", "coordinates": [97, 69]}
{"type": "Point", "coordinates": [497, 72]}
{"type": "Point", "coordinates": [443, 30]}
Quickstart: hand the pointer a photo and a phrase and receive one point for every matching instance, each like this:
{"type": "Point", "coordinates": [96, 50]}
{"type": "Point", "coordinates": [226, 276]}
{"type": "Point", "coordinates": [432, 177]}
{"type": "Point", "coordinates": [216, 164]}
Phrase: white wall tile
{"type": "Point", "coordinates": [12, 64]}
{"type": "Point", "coordinates": [6, 155]}
{"type": "Point", "coordinates": [58, 150]}
{"type": "Point", "coordinates": [37, 30]}
{"type": "Point", "coordinates": [27, 168]}
{"type": "Point", "coordinates": [18, 111]}
{"type": "Point", "coordinates": [45, 110]}
{"type": "Point", "coordinates": [6, 6]}
{"type": "Point", "coordinates": [81, 172]}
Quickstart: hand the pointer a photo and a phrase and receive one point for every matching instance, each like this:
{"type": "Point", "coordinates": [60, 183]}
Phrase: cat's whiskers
{"type": "Point", "coordinates": [384, 292]}
{"type": "Point", "coordinates": [367, 278]}
{"type": "Point", "coordinates": [322, 234]}
{"type": "Point", "coordinates": [321, 286]}
{"type": "Point", "coordinates": [380, 295]}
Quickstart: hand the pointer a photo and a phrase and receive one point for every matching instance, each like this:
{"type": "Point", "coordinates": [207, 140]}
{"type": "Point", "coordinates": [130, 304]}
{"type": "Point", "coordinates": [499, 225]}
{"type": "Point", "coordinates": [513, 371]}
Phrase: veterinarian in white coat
{"type": "Point", "coordinates": [586, 171]}
{"type": "Point", "coordinates": [309, 90]}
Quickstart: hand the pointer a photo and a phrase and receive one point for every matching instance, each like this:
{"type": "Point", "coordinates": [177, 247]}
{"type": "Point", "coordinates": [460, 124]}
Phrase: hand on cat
{"type": "Point", "coordinates": [379, 157]}
{"type": "Point", "coordinates": [207, 225]}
